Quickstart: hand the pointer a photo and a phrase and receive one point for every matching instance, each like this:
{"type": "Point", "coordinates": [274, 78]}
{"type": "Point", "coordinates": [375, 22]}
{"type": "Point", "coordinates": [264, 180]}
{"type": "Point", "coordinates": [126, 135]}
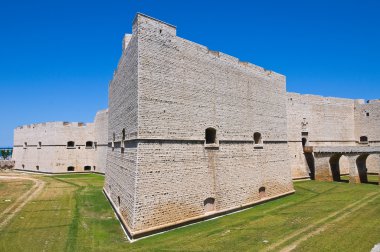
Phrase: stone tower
{"type": "Point", "coordinates": [193, 133]}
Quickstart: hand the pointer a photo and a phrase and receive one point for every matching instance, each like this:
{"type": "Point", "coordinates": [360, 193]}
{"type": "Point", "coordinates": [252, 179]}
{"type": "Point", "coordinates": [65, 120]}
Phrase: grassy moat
{"type": "Point", "coordinates": [72, 214]}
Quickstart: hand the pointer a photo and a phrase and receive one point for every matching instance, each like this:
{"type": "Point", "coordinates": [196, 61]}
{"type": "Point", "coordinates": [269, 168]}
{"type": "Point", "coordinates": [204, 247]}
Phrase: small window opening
{"type": "Point", "coordinates": [262, 192]}
{"type": "Point", "coordinates": [96, 145]}
{"type": "Point", "coordinates": [367, 114]}
{"type": "Point", "coordinates": [160, 31]}
{"type": "Point", "coordinates": [89, 145]}
{"type": "Point", "coordinates": [94, 167]}
{"type": "Point", "coordinates": [122, 140]}
{"type": "Point", "coordinates": [70, 144]}
{"type": "Point", "coordinates": [118, 200]}
{"type": "Point", "coordinates": [25, 145]}
{"type": "Point", "coordinates": [364, 139]}
{"type": "Point", "coordinates": [70, 168]}
{"type": "Point", "coordinates": [39, 145]}
{"type": "Point", "coordinates": [210, 136]}
{"type": "Point", "coordinates": [209, 204]}
{"type": "Point", "coordinates": [37, 167]}
{"type": "Point", "coordinates": [87, 168]}
{"type": "Point", "coordinates": [23, 166]}
{"type": "Point", "coordinates": [257, 138]}
{"type": "Point", "coordinates": [113, 141]}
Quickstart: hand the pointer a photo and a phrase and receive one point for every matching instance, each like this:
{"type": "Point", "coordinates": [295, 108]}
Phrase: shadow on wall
{"type": "Point", "coordinates": [311, 164]}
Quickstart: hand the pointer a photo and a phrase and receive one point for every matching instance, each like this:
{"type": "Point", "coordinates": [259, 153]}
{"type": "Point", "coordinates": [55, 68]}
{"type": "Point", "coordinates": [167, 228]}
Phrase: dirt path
{"type": "Point", "coordinates": [13, 209]}
{"type": "Point", "coordinates": [343, 213]}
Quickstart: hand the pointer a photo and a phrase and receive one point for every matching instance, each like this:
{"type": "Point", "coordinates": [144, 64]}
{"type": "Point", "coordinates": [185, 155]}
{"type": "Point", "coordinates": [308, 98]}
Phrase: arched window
{"type": "Point", "coordinates": [37, 167]}
{"type": "Point", "coordinates": [89, 144]}
{"type": "Point", "coordinates": [210, 136]}
{"type": "Point", "coordinates": [25, 145]}
{"type": "Point", "coordinates": [39, 145]}
{"type": "Point", "coordinates": [87, 168]}
{"type": "Point", "coordinates": [262, 192]}
{"type": "Point", "coordinates": [209, 204]}
{"type": "Point", "coordinates": [364, 139]}
{"type": "Point", "coordinates": [70, 168]}
{"type": "Point", "coordinates": [70, 144]}
{"type": "Point", "coordinates": [257, 138]}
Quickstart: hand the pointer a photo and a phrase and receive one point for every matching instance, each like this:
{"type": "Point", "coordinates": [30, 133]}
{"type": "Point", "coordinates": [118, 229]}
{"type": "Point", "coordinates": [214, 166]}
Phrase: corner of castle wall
{"type": "Point", "coordinates": [142, 20]}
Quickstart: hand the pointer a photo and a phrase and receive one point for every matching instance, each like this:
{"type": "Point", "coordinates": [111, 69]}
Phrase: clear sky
{"type": "Point", "coordinates": [57, 57]}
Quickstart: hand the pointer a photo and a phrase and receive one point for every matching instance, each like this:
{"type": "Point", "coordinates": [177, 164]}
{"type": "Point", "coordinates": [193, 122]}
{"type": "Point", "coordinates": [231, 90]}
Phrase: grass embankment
{"type": "Point", "coordinates": [71, 214]}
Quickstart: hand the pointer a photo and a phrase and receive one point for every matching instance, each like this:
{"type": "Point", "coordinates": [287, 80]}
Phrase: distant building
{"type": "Point", "coordinates": [59, 147]}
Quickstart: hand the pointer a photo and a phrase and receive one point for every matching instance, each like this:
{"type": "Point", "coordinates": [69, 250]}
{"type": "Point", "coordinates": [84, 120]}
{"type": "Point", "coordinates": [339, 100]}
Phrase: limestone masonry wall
{"type": "Point", "coordinates": [192, 133]}
{"type": "Point", "coordinates": [160, 171]}
{"type": "Point", "coordinates": [328, 121]}
{"type": "Point", "coordinates": [46, 147]}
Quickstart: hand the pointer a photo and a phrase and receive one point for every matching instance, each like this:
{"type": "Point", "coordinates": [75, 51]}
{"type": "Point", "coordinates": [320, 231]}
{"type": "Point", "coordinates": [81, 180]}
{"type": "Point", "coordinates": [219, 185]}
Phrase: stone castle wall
{"type": "Point", "coordinates": [44, 147]}
{"type": "Point", "coordinates": [367, 120]}
{"type": "Point", "coordinates": [329, 121]}
{"type": "Point", "coordinates": [162, 167]}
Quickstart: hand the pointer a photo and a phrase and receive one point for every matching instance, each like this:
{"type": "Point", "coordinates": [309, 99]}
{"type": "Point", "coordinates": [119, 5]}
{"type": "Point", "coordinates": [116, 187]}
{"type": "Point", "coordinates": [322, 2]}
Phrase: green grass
{"type": "Point", "coordinates": [11, 190]}
{"type": "Point", "coordinates": [72, 214]}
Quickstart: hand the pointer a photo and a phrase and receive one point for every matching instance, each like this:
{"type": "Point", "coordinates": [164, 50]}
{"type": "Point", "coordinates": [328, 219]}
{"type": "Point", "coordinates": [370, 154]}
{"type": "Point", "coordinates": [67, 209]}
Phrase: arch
{"type": "Point", "coordinates": [344, 165]}
{"type": "Point", "coordinates": [70, 168]}
{"type": "Point", "coordinates": [262, 192]}
{"type": "Point", "coordinates": [210, 136]}
{"type": "Point", "coordinates": [70, 144]}
{"type": "Point", "coordinates": [89, 144]}
{"type": "Point", "coordinates": [87, 168]}
{"type": "Point", "coordinates": [334, 166]}
{"type": "Point", "coordinates": [363, 139]}
{"type": "Point", "coordinates": [373, 164]}
{"type": "Point", "coordinates": [257, 138]}
{"type": "Point", "coordinates": [362, 167]}
{"type": "Point", "coordinates": [209, 204]}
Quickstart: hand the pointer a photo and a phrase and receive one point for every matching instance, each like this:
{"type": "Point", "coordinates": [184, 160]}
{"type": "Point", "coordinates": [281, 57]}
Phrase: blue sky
{"type": "Point", "coordinates": [57, 57]}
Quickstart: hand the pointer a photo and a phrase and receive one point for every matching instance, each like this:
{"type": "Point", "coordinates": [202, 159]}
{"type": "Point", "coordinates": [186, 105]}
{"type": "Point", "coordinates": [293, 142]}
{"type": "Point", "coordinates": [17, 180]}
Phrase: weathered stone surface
{"type": "Point", "coordinates": [165, 93]}
{"type": "Point", "coordinates": [44, 147]}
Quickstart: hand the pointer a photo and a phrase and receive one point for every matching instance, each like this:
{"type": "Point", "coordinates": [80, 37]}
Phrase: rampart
{"type": "Point", "coordinates": [56, 147]}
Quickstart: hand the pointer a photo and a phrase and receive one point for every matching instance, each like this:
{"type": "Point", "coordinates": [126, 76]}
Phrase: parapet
{"type": "Point", "coordinates": [142, 19]}
{"type": "Point", "coordinates": [51, 124]}
{"type": "Point", "coordinates": [161, 26]}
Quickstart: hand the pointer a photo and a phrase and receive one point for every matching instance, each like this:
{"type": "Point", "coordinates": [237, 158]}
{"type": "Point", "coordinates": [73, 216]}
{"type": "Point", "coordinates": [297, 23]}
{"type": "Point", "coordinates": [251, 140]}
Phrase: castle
{"type": "Point", "coordinates": [59, 147]}
{"type": "Point", "coordinates": [192, 133]}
